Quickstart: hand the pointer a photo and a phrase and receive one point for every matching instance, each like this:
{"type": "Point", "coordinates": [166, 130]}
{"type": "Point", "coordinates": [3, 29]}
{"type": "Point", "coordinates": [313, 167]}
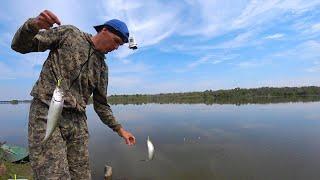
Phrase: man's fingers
{"type": "Point", "coordinates": [48, 18]}
{"type": "Point", "coordinates": [53, 17]}
{"type": "Point", "coordinates": [127, 141]}
{"type": "Point", "coordinates": [44, 23]}
{"type": "Point", "coordinates": [132, 139]}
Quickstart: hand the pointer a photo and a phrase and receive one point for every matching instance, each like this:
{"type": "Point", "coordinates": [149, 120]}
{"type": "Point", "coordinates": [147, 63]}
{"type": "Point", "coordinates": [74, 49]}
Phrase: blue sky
{"type": "Point", "coordinates": [189, 45]}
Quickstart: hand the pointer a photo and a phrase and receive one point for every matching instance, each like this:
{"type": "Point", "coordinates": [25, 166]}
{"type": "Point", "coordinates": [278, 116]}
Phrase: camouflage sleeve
{"type": "Point", "coordinates": [29, 39]}
{"type": "Point", "coordinates": [101, 105]}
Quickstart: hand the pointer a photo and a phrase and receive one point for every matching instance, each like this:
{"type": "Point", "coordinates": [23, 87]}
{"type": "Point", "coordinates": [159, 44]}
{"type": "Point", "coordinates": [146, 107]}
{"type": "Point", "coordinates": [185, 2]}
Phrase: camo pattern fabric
{"type": "Point", "coordinates": [72, 59]}
{"type": "Point", "coordinates": [65, 155]}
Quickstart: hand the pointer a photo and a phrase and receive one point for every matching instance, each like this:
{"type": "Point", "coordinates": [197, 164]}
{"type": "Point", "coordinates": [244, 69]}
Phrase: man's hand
{"type": "Point", "coordinates": [127, 136]}
{"type": "Point", "coordinates": [45, 20]}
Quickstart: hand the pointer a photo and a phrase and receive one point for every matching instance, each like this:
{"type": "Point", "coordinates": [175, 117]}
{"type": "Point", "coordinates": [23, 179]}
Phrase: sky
{"type": "Point", "coordinates": [185, 45]}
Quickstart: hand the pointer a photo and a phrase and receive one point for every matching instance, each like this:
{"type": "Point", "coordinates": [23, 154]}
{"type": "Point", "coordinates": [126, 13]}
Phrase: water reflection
{"type": "Point", "coordinates": [273, 141]}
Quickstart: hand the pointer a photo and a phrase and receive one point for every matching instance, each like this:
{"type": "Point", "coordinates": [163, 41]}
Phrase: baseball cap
{"type": "Point", "coordinates": [117, 27]}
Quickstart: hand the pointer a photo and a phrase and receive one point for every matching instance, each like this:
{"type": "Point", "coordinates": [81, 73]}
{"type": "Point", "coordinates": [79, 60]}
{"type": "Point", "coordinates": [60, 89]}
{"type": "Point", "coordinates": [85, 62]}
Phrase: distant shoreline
{"type": "Point", "coordinates": [15, 101]}
{"type": "Point", "coordinates": [230, 96]}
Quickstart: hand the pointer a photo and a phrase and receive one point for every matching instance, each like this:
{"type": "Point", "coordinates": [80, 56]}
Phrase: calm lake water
{"type": "Point", "coordinates": [197, 141]}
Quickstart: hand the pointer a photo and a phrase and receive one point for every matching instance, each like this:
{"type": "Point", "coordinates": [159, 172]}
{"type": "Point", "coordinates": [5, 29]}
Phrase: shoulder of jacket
{"type": "Point", "coordinates": [67, 28]}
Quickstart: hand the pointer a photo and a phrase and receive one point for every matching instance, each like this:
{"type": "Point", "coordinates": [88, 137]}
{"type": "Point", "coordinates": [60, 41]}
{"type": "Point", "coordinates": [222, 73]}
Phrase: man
{"type": "Point", "coordinates": [77, 58]}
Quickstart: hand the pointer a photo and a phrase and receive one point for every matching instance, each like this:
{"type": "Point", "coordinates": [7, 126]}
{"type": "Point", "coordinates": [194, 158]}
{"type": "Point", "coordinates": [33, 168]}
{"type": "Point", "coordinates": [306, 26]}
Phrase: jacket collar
{"type": "Point", "coordinates": [88, 38]}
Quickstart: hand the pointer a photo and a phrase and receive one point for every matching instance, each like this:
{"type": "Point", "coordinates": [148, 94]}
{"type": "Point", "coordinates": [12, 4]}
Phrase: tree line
{"type": "Point", "coordinates": [238, 96]}
{"type": "Point", "coordinates": [231, 96]}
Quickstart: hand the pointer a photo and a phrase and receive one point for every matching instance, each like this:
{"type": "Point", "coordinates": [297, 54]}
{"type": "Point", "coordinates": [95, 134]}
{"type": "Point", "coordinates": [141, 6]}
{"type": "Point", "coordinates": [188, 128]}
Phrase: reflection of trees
{"type": "Point", "coordinates": [14, 102]}
{"type": "Point", "coordinates": [236, 96]}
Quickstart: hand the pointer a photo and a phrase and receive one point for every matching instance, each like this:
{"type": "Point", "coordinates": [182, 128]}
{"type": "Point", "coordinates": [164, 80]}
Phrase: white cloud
{"type": "Point", "coordinates": [123, 52]}
{"type": "Point", "coordinates": [298, 6]}
{"type": "Point", "coordinates": [209, 59]}
{"type": "Point", "coordinates": [249, 64]}
{"type": "Point", "coordinates": [213, 18]}
{"type": "Point", "coordinates": [315, 67]}
{"type": "Point", "coordinates": [308, 50]}
{"type": "Point", "coordinates": [258, 12]}
{"type": "Point", "coordinates": [307, 28]}
{"type": "Point", "coordinates": [200, 61]}
{"type": "Point", "coordinates": [210, 18]}
{"type": "Point", "coordinates": [149, 22]}
{"type": "Point", "coordinates": [244, 39]}
{"type": "Point", "coordinates": [316, 27]}
{"type": "Point", "coordinates": [274, 36]}
{"type": "Point", "coordinates": [153, 21]}
{"type": "Point", "coordinates": [69, 12]}
{"type": "Point", "coordinates": [130, 67]}
{"type": "Point", "coordinates": [255, 12]}
{"type": "Point", "coordinates": [241, 40]}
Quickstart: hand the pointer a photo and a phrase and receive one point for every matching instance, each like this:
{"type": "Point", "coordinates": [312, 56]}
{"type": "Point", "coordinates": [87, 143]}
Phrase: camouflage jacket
{"type": "Point", "coordinates": [73, 59]}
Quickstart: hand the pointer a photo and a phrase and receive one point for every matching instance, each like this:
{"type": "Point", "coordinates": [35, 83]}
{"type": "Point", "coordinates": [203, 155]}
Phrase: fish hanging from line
{"type": "Point", "coordinates": [150, 150]}
{"type": "Point", "coordinates": [54, 112]}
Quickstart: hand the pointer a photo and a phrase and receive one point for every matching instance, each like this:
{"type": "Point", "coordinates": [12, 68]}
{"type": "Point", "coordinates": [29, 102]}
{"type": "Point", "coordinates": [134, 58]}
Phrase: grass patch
{"type": "Point", "coordinates": [22, 171]}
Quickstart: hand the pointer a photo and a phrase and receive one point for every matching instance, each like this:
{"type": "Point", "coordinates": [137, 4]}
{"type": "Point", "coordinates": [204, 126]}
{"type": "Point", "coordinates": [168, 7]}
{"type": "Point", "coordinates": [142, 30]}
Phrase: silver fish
{"type": "Point", "coordinates": [54, 112]}
{"type": "Point", "coordinates": [150, 150]}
